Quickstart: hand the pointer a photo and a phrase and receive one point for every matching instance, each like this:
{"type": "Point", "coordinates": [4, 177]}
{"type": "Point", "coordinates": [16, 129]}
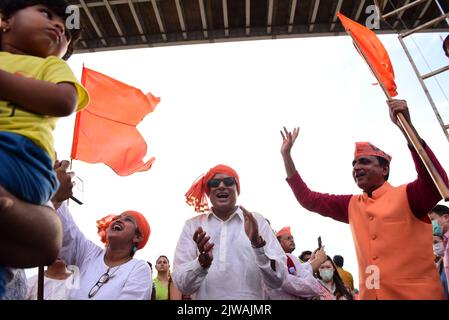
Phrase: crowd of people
{"type": "Point", "coordinates": [226, 251]}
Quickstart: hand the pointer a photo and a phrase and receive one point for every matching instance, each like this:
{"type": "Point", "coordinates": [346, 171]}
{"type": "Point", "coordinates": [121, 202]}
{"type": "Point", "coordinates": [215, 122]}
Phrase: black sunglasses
{"type": "Point", "coordinates": [214, 183]}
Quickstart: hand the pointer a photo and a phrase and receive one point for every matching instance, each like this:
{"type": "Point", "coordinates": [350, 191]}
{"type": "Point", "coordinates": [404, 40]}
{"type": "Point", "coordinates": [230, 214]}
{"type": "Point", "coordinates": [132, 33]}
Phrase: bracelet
{"type": "Point", "coordinates": [261, 244]}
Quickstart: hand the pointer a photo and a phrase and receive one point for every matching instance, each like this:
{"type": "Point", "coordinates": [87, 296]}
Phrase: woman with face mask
{"type": "Point", "coordinates": [438, 248]}
{"type": "Point", "coordinates": [438, 251]}
{"type": "Point", "coordinates": [332, 287]}
{"type": "Point", "coordinates": [440, 223]}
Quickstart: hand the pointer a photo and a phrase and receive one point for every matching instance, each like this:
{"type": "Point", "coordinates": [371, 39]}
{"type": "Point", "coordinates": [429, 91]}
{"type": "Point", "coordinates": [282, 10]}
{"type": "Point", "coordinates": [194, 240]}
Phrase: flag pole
{"type": "Point", "coordinates": [411, 135]}
{"type": "Point", "coordinates": [40, 283]}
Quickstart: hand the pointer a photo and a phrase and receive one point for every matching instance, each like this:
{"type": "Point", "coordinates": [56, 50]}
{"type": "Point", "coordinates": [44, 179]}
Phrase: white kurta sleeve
{"type": "Point", "coordinates": [303, 284]}
{"type": "Point", "coordinates": [308, 267]}
{"type": "Point", "coordinates": [75, 246]}
{"type": "Point", "coordinates": [270, 258]}
{"type": "Point", "coordinates": [187, 272]}
{"type": "Point", "coordinates": [32, 288]}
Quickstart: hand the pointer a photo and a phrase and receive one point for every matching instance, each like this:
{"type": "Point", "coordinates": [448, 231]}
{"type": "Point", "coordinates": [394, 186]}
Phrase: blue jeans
{"type": "Point", "coordinates": [26, 170]}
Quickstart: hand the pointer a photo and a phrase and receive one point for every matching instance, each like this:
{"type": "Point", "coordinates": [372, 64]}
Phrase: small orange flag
{"type": "Point", "coordinates": [105, 131]}
{"type": "Point", "coordinates": [373, 50]}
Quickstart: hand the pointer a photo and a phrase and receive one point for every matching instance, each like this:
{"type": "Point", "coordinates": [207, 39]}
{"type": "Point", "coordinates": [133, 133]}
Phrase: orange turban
{"type": "Point", "coordinates": [196, 196]}
{"type": "Point", "coordinates": [367, 149]}
{"type": "Point", "coordinates": [142, 225]}
{"type": "Point", "coordinates": [283, 231]}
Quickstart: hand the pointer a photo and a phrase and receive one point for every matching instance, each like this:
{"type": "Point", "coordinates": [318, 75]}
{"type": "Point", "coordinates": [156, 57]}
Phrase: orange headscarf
{"type": "Point", "coordinates": [142, 225]}
{"type": "Point", "coordinates": [196, 196]}
{"type": "Point", "coordinates": [283, 231]}
{"type": "Point", "coordinates": [368, 149]}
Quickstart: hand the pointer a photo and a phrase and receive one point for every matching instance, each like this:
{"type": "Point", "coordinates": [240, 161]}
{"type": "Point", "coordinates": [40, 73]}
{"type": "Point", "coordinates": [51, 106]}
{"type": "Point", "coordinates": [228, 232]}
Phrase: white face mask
{"type": "Point", "coordinates": [326, 274]}
{"type": "Point", "coordinates": [438, 249]}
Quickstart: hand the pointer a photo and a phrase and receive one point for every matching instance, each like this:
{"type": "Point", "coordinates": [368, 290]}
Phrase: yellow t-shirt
{"type": "Point", "coordinates": [36, 127]}
{"type": "Point", "coordinates": [346, 276]}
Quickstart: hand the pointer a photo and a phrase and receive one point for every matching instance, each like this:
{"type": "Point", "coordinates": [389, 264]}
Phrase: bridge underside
{"type": "Point", "coordinates": [126, 24]}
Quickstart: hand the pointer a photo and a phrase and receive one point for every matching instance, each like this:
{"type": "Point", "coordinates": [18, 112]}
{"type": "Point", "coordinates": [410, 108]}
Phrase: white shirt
{"type": "Point", "coordinates": [298, 286]}
{"type": "Point", "coordinates": [15, 284]}
{"type": "Point", "coordinates": [238, 271]}
{"type": "Point", "coordinates": [54, 289]}
{"type": "Point", "coordinates": [129, 281]}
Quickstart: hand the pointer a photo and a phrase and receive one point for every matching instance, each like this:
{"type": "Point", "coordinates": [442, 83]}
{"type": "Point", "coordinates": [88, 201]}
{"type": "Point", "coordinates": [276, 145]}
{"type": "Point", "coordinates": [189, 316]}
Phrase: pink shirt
{"type": "Point", "coordinates": [326, 293]}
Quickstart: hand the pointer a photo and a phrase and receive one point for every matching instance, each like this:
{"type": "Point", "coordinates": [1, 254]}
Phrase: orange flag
{"type": "Point", "coordinates": [373, 50]}
{"type": "Point", "coordinates": [105, 131]}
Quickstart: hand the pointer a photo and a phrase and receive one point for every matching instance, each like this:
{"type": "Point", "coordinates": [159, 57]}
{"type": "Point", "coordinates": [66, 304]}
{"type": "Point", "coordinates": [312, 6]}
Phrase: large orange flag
{"type": "Point", "coordinates": [374, 52]}
{"type": "Point", "coordinates": [105, 131]}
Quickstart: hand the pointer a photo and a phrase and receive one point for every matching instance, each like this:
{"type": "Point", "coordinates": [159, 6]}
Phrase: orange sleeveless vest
{"type": "Point", "coordinates": [393, 247]}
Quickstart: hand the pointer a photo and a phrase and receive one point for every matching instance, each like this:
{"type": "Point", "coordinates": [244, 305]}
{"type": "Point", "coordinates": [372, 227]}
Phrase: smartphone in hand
{"type": "Point", "coordinates": [78, 190]}
{"type": "Point", "coordinates": [319, 242]}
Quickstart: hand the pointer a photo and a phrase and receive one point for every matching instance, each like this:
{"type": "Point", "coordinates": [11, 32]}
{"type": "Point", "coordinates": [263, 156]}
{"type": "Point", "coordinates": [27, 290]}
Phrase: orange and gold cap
{"type": "Point", "coordinates": [283, 231]}
{"type": "Point", "coordinates": [368, 149]}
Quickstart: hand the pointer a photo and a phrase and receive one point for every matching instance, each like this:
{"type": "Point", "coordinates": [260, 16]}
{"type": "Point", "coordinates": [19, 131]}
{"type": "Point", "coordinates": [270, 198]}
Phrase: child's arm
{"type": "Point", "coordinates": [37, 96]}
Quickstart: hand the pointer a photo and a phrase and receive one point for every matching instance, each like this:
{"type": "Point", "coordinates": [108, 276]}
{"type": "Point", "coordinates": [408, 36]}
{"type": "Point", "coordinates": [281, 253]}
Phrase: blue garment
{"type": "Point", "coordinates": [2, 282]}
{"type": "Point", "coordinates": [444, 281]}
{"type": "Point", "coordinates": [25, 169]}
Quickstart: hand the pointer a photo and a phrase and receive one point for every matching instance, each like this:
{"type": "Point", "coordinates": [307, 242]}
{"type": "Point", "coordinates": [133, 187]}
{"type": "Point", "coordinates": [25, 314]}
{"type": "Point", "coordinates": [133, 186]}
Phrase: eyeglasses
{"type": "Point", "coordinates": [214, 183]}
{"type": "Point", "coordinates": [103, 279]}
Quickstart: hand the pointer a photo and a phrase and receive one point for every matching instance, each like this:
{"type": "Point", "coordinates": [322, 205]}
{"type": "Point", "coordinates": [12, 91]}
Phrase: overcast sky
{"type": "Point", "coordinates": [226, 102]}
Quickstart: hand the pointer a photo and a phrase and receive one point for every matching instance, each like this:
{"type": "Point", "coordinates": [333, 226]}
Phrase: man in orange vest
{"type": "Point", "coordinates": [391, 230]}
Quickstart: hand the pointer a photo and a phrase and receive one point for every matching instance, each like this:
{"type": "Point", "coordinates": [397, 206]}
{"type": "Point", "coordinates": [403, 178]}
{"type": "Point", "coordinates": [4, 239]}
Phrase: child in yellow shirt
{"type": "Point", "coordinates": [36, 88]}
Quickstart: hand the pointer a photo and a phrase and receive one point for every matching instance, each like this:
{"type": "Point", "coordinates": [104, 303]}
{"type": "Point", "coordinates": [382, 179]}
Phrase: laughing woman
{"type": "Point", "coordinates": [111, 272]}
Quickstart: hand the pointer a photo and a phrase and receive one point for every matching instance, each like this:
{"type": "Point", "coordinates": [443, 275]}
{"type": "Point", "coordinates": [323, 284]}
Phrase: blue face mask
{"type": "Point", "coordinates": [437, 230]}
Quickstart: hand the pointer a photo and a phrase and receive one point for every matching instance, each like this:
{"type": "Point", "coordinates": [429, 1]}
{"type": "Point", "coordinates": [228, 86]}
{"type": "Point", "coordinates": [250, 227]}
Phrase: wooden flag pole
{"type": "Point", "coordinates": [411, 135]}
{"type": "Point", "coordinates": [40, 283]}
